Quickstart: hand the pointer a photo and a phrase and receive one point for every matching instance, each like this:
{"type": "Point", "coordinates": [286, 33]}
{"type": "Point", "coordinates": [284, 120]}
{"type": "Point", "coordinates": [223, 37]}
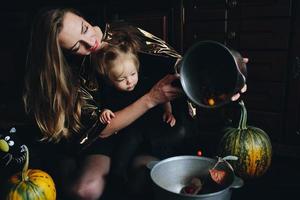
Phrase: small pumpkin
{"type": "Point", "coordinates": [31, 184]}
{"type": "Point", "coordinates": [250, 144]}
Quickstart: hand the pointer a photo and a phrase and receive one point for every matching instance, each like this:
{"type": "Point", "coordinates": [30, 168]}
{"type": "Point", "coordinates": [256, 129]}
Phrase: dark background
{"type": "Point", "coordinates": [265, 31]}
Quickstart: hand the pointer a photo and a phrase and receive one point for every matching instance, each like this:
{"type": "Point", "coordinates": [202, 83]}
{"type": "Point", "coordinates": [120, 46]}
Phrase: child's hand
{"type": "Point", "coordinates": [106, 116]}
{"type": "Point", "coordinates": [169, 118]}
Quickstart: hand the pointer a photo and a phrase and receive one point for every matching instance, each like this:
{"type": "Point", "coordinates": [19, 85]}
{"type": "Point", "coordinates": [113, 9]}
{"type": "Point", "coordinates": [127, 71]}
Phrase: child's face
{"type": "Point", "coordinates": [128, 78]}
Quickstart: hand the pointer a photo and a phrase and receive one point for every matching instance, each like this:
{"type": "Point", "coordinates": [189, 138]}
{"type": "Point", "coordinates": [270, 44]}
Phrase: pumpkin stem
{"type": "Point", "coordinates": [25, 168]}
{"type": "Point", "coordinates": [243, 118]}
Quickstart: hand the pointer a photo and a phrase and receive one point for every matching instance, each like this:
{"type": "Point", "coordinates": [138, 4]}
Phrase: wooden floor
{"type": "Point", "coordinates": [280, 182]}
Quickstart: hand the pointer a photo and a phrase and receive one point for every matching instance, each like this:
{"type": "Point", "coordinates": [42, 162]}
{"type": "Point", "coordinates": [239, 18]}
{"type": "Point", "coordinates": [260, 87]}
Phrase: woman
{"type": "Point", "coordinates": [61, 95]}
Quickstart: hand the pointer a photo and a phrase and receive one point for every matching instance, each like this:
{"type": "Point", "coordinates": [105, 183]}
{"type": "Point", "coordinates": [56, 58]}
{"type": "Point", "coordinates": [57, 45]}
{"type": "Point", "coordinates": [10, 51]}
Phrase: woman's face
{"type": "Point", "coordinates": [78, 36]}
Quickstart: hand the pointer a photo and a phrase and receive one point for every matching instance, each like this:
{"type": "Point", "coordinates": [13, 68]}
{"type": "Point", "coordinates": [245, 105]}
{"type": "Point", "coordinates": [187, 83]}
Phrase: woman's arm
{"type": "Point", "coordinates": [163, 91]}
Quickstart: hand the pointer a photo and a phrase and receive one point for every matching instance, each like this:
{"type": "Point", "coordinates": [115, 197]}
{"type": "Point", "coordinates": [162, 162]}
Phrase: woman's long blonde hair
{"type": "Point", "coordinates": [52, 91]}
{"type": "Point", "coordinates": [51, 88]}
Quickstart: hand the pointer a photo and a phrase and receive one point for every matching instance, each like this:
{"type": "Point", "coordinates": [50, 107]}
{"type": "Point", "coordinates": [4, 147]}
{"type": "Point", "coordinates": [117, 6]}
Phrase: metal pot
{"type": "Point", "coordinates": [211, 73]}
{"type": "Point", "coordinates": [172, 174]}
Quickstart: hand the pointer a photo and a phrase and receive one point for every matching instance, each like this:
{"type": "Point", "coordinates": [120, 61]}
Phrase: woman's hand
{"type": "Point", "coordinates": [163, 91]}
{"type": "Point", "coordinates": [237, 96]}
{"type": "Point", "coordinates": [244, 89]}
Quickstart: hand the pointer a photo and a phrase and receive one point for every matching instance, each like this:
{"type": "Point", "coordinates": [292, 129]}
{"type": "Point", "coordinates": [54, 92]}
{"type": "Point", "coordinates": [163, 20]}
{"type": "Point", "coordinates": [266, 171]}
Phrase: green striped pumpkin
{"type": "Point", "coordinates": [30, 184]}
{"type": "Point", "coordinates": [250, 144]}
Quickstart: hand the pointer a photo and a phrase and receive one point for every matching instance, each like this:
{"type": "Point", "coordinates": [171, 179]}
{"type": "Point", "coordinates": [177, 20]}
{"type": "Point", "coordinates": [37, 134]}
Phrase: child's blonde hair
{"type": "Point", "coordinates": [108, 57]}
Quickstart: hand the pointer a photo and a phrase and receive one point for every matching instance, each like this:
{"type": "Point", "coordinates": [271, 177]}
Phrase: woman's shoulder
{"type": "Point", "coordinates": [149, 43]}
{"type": "Point", "coordinates": [115, 31]}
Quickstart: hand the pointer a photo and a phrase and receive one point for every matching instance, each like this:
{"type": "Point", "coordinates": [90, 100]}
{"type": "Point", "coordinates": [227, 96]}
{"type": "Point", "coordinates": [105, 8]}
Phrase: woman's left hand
{"type": "Point", "coordinates": [244, 89]}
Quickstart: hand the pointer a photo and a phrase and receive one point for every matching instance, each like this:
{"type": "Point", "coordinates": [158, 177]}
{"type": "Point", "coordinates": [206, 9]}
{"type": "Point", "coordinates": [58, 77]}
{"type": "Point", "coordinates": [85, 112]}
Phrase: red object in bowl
{"type": "Point", "coordinates": [218, 175]}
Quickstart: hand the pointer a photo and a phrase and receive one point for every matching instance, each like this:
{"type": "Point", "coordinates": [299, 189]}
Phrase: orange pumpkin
{"type": "Point", "coordinates": [31, 184]}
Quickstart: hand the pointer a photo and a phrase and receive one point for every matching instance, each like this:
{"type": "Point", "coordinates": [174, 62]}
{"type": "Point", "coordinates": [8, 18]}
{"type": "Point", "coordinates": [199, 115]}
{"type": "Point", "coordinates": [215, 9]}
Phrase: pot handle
{"type": "Point", "coordinates": [237, 182]}
{"type": "Point", "coordinates": [152, 163]}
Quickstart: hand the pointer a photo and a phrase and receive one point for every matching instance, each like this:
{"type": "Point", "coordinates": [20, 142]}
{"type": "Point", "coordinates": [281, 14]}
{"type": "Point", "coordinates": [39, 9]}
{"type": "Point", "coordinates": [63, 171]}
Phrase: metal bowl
{"type": "Point", "coordinates": [171, 175]}
{"type": "Point", "coordinates": [211, 73]}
